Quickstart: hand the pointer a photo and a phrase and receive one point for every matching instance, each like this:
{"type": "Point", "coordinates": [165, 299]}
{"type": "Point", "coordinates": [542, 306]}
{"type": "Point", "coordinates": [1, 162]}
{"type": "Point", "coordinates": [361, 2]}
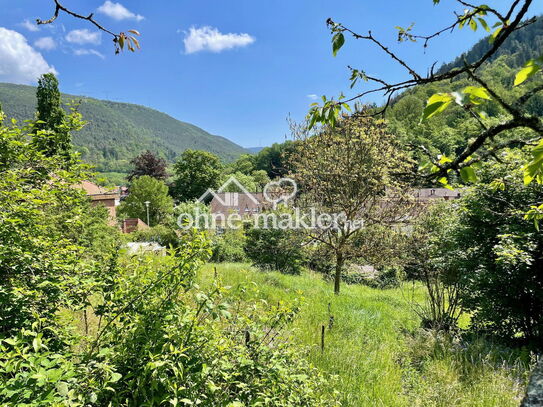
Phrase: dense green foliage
{"type": "Point", "coordinates": [522, 45]}
{"type": "Point", "coordinates": [51, 240]}
{"type": "Point", "coordinates": [502, 252]}
{"type": "Point", "coordinates": [147, 189]}
{"type": "Point", "coordinates": [83, 325]}
{"type": "Point", "coordinates": [275, 159]}
{"type": "Point", "coordinates": [229, 246]}
{"type": "Point", "coordinates": [117, 132]}
{"type": "Point", "coordinates": [449, 132]}
{"type": "Point", "coordinates": [195, 172]}
{"type": "Point", "coordinates": [276, 249]}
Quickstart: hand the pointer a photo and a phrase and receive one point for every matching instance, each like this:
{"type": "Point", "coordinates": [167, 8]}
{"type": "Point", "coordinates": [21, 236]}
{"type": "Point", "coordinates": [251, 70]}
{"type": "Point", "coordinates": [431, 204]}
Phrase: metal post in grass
{"type": "Point", "coordinates": [330, 317]}
{"type": "Point", "coordinates": [322, 338]}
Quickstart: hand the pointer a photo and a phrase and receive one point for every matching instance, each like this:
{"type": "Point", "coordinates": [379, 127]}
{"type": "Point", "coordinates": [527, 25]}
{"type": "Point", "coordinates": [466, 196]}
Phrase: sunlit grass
{"type": "Point", "coordinates": [375, 348]}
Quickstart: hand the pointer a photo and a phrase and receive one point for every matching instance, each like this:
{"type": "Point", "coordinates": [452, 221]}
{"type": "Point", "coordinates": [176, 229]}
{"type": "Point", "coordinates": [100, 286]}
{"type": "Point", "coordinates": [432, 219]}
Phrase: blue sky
{"type": "Point", "coordinates": [235, 68]}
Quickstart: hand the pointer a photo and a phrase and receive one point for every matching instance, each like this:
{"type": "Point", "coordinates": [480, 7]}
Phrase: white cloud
{"type": "Point", "coordinates": [211, 39]}
{"type": "Point", "coordinates": [313, 96]}
{"type": "Point", "coordinates": [118, 12]}
{"type": "Point", "coordinates": [30, 26]}
{"type": "Point", "coordinates": [45, 43]}
{"type": "Point", "coordinates": [84, 51]}
{"type": "Point", "coordinates": [84, 36]}
{"type": "Point", "coordinates": [19, 62]}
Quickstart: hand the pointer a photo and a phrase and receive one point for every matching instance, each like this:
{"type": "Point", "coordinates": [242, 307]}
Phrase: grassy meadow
{"type": "Point", "coordinates": [375, 353]}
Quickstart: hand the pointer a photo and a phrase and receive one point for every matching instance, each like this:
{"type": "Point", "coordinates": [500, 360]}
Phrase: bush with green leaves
{"type": "Point", "coordinates": [54, 247]}
{"type": "Point", "coordinates": [276, 249]}
{"type": "Point", "coordinates": [503, 252]}
{"type": "Point", "coordinates": [81, 325]}
{"type": "Point", "coordinates": [161, 234]}
{"type": "Point", "coordinates": [229, 246]}
{"type": "Point", "coordinates": [436, 260]}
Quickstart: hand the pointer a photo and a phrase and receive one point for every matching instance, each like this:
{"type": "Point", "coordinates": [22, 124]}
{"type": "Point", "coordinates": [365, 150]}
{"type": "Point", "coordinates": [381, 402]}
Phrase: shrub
{"type": "Point", "coordinates": [276, 249]}
{"type": "Point", "coordinates": [79, 328]}
{"type": "Point", "coordinates": [503, 253]}
{"type": "Point", "coordinates": [229, 246]}
{"type": "Point", "coordinates": [161, 234]}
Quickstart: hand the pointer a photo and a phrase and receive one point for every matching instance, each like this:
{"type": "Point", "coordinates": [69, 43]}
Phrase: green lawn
{"type": "Point", "coordinates": [375, 349]}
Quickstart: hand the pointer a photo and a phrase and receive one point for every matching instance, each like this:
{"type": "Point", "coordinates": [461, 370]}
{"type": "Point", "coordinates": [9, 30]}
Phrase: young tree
{"type": "Point", "coordinates": [148, 163]}
{"type": "Point", "coordinates": [435, 259]}
{"type": "Point", "coordinates": [55, 137]}
{"type": "Point", "coordinates": [357, 170]}
{"type": "Point", "coordinates": [195, 171]}
{"type": "Point", "coordinates": [147, 189]}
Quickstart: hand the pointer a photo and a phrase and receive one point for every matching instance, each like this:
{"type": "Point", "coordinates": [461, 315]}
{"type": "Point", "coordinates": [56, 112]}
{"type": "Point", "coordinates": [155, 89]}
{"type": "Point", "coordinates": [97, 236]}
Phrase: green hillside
{"type": "Point", "coordinates": [521, 45]}
{"type": "Point", "coordinates": [449, 132]}
{"type": "Point", "coordinates": [117, 132]}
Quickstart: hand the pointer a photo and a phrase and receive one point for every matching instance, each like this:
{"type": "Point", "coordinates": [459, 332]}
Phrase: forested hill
{"type": "Point", "coordinates": [522, 45]}
{"type": "Point", "coordinates": [117, 132]}
{"type": "Point", "coordinates": [449, 132]}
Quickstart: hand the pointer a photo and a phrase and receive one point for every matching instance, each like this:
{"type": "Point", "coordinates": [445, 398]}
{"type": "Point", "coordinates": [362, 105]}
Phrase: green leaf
{"type": "Point", "coordinates": [337, 42]}
{"type": "Point", "coordinates": [115, 377]}
{"type": "Point", "coordinates": [530, 68]}
{"type": "Point", "coordinates": [36, 344]}
{"type": "Point", "coordinates": [436, 104]}
{"type": "Point", "coordinates": [62, 388]}
{"type": "Point", "coordinates": [473, 24]}
{"type": "Point", "coordinates": [495, 33]}
{"type": "Point", "coordinates": [478, 92]}
{"type": "Point", "coordinates": [534, 169]}
{"type": "Point", "coordinates": [484, 24]}
{"type": "Point", "coordinates": [468, 174]}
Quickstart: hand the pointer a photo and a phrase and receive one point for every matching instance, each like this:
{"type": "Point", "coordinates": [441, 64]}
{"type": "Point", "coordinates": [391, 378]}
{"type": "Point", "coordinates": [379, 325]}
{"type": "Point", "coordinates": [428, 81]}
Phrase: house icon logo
{"type": "Point", "coordinates": [217, 194]}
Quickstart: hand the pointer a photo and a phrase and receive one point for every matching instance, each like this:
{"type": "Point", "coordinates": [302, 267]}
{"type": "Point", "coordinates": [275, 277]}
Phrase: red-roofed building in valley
{"type": "Point", "coordinates": [111, 198]}
{"type": "Point", "coordinates": [98, 195]}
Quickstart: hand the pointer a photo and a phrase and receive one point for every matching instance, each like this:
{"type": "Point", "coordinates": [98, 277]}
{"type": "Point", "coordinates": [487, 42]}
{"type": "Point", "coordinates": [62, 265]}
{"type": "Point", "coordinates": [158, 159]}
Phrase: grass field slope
{"type": "Point", "coordinates": [117, 132]}
{"type": "Point", "coordinates": [375, 352]}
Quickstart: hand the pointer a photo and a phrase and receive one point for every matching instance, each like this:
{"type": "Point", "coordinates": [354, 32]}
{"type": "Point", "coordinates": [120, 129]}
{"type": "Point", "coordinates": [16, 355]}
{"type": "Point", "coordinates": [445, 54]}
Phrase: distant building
{"type": "Point", "coordinates": [236, 202]}
{"type": "Point", "coordinates": [429, 194]}
{"type": "Point", "coordinates": [110, 198]}
{"type": "Point", "coordinates": [132, 225]}
{"type": "Point", "coordinates": [246, 204]}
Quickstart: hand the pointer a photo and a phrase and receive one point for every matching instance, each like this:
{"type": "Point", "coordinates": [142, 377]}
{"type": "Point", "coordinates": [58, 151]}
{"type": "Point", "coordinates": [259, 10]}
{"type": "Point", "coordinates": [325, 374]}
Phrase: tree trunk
{"type": "Point", "coordinates": [339, 268]}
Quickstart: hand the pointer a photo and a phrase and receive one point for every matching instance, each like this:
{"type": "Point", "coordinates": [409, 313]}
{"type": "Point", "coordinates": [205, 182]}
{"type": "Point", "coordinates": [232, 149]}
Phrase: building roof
{"type": "Point", "coordinates": [432, 193]}
{"type": "Point", "coordinates": [225, 202]}
{"type": "Point", "coordinates": [98, 192]}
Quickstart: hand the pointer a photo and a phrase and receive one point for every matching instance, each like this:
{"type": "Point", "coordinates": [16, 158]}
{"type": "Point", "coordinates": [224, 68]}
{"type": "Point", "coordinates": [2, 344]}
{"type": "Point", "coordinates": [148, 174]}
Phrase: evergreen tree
{"type": "Point", "coordinates": [53, 137]}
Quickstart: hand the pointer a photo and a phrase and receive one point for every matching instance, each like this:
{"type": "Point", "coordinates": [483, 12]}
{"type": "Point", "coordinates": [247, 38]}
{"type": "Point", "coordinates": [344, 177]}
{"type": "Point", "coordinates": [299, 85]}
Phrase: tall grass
{"type": "Point", "coordinates": [375, 349]}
